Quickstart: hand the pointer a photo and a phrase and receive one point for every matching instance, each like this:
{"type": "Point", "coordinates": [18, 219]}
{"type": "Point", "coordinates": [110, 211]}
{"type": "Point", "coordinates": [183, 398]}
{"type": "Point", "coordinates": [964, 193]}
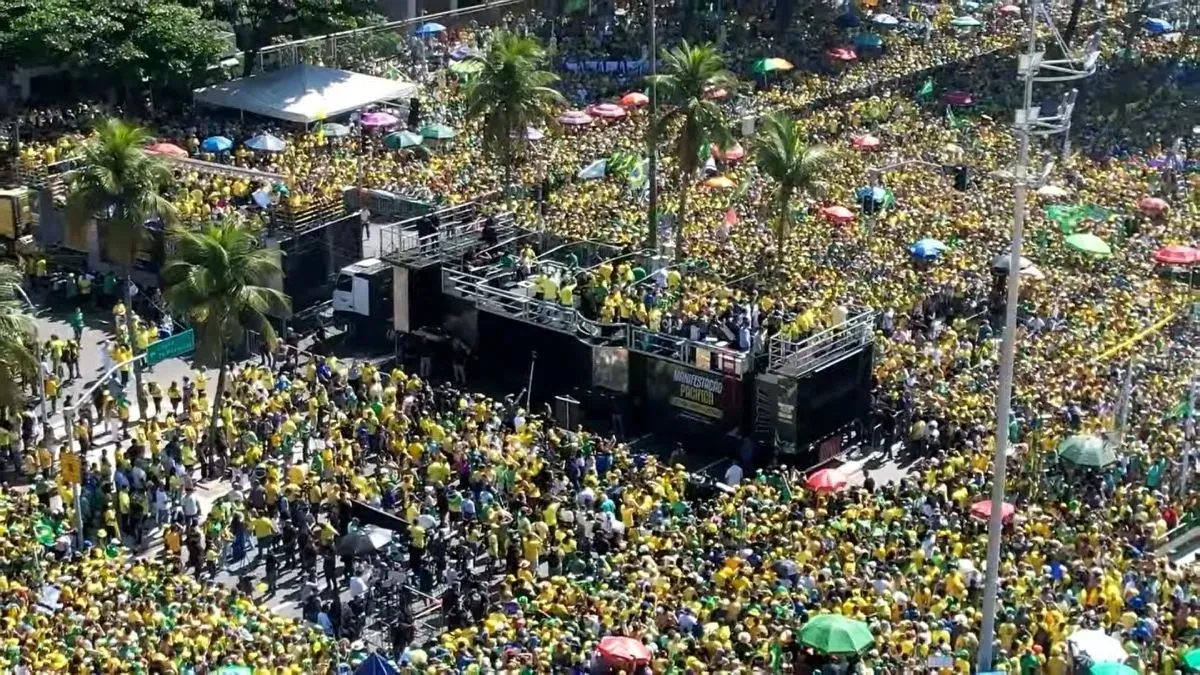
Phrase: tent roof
{"type": "Point", "coordinates": [304, 93]}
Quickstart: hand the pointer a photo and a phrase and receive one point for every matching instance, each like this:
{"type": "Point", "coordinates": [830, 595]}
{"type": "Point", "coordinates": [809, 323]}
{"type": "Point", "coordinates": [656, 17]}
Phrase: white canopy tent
{"type": "Point", "coordinates": [304, 93]}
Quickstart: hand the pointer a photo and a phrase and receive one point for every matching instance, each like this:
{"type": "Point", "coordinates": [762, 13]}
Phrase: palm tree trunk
{"type": "Point", "coordinates": [781, 228]}
{"type": "Point", "coordinates": [681, 214]}
{"type": "Point", "coordinates": [210, 439]}
{"type": "Point", "coordinates": [132, 337]}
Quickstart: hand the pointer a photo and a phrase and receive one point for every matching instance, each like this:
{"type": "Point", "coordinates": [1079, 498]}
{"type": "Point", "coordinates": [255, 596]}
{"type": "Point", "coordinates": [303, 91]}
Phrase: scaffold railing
{"type": "Point", "coordinates": [403, 244]}
{"type": "Point", "coordinates": [699, 355]}
{"type": "Point", "coordinates": [520, 306]}
{"type": "Point", "coordinates": [799, 358]}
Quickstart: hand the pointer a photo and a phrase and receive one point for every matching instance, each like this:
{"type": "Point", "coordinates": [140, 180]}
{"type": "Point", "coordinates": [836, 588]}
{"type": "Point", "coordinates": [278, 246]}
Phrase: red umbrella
{"type": "Point", "coordinates": [715, 94]}
{"type": "Point", "coordinates": [634, 99]}
{"type": "Point", "coordinates": [1177, 255]}
{"type": "Point", "coordinates": [842, 54]}
{"type": "Point", "coordinates": [1010, 10]}
{"type": "Point", "coordinates": [958, 98]}
{"type": "Point", "coordinates": [623, 650]}
{"type": "Point", "coordinates": [733, 152]}
{"type": "Point", "coordinates": [827, 480]}
{"type": "Point", "coordinates": [983, 510]}
{"type": "Point", "coordinates": [1152, 205]}
{"type": "Point", "coordinates": [865, 142]}
{"type": "Point", "coordinates": [838, 214]}
{"type": "Point", "coordinates": [167, 149]}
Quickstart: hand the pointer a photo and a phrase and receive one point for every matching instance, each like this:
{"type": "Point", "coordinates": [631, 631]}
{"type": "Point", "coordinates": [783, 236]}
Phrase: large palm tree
{"type": "Point", "coordinates": [17, 362]}
{"type": "Point", "coordinates": [686, 76]}
{"type": "Point", "coordinates": [218, 279]}
{"type": "Point", "coordinates": [510, 93]}
{"type": "Point", "coordinates": [122, 185]}
{"type": "Point", "coordinates": [781, 153]}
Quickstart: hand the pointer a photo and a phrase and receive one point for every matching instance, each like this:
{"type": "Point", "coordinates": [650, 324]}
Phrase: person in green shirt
{"type": "Point", "coordinates": [76, 322]}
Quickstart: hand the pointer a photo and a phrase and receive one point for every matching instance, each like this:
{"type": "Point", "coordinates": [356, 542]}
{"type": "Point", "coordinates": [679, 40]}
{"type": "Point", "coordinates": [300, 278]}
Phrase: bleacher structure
{"type": "Point", "coordinates": [725, 390]}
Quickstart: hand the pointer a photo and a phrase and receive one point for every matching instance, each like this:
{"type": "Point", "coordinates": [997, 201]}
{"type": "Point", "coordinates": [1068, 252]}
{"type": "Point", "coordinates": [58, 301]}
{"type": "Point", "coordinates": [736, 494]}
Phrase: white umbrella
{"type": "Point", "coordinates": [1033, 272]}
{"type": "Point", "coordinates": [1097, 645]}
{"type": "Point", "coordinates": [1052, 191]}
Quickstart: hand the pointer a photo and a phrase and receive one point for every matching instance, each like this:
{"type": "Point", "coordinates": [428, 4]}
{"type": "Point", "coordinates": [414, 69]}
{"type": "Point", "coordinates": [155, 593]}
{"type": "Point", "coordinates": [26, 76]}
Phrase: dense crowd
{"type": "Point", "coordinates": [542, 541]}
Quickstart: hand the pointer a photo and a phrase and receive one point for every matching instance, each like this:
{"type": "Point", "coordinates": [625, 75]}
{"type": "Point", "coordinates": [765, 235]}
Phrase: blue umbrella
{"type": "Point", "coordinates": [431, 28]}
{"type": "Point", "coordinates": [216, 144]}
{"type": "Point", "coordinates": [875, 194]}
{"type": "Point", "coordinates": [927, 249]}
{"type": "Point", "coordinates": [266, 143]}
{"type": "Point", "coordinates": [885, 20]}
{"type": "Point", "coordinates": [970, 5]}
{"type": "Point", "coordinates": [1159, 26]}
{"type": "Point", "coordinates": [868, 40]}
{"type": "Point", "coordinates": [375, 665]}
{"type": "Point", "coordinates": [462, 52]}
{"type": "Point", "coordinates": [848, 20]}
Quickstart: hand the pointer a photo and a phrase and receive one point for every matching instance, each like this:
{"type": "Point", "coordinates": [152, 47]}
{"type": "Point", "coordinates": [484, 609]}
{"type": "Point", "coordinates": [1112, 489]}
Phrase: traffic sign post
{"type": "Point", "coordinates": [179, 344]}
{"type": "Point", "coordinates": [71, 467]}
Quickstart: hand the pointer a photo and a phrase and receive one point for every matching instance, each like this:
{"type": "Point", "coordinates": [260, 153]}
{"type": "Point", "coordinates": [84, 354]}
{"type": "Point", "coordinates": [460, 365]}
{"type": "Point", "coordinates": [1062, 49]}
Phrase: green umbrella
{"type": "Point", "coordinates": [437, 131]}
{"type": "Point", "coordinates": [468, 67]}
{"type": "Point", "coordinates": [1087, 242]}
{"type": "Point", "coordinates": [1112, 668]}
{"type": "Point", "coordinates": [966, 22]}
{"type": "Point", "coordinates": [1087, 451]}
{"type": "Point", "coordinates": [835, 634]}
{"type": "Point", "coordinates": [764, 66]}
{"type": "Point", "coordinates": [236, 670]}
{"type": "Point", "coordinates": [1191, 660]}
{"type": "Point", "coordinates": [402, 139]}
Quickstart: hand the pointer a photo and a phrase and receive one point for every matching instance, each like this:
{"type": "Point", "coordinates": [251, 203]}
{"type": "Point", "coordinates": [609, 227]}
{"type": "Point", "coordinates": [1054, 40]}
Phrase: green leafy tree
{"type": "Point", "coordinates": [782, 154]}
{"type": "Point", "coordinates": [125, 43]}
{"type": "Point", "coordinates": [17, 361]}
{"type": "Point", "coordinates": [259, 23]}
{"type": "Point", "coordinates": [121, 185]}
{"type": "Point", "coordinates": [510, 93]}
{"type": "Point", "coordinates": [218, 279]}
{"type": "Point", "coordinates": [692, 120]}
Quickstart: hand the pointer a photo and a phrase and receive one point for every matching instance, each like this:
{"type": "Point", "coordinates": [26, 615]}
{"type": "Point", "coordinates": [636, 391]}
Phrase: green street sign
{"type": "Point", "coordinates": [176, 345]}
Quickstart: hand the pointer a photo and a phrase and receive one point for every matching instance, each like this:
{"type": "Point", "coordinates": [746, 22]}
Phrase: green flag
{"type": "Point", "coordinates": [926, 90]}
{"type": "Point", "coordinates": [955, 123]}
{"type": "Point", "coordinates": [776, 657]}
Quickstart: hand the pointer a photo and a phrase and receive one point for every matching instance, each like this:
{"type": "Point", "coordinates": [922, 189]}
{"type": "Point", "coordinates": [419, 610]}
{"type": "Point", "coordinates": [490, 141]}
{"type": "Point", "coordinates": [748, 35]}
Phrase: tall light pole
{"type": "Point", "coordinates": [652, 168]}
{"type": "Point", "coordinates": [1031, 68]}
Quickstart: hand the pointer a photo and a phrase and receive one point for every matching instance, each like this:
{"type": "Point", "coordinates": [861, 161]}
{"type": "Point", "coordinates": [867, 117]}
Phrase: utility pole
{"type": "Point", "coordinates": [652, 216]}
{"type": "Point", "coordinates": [1031, 67]}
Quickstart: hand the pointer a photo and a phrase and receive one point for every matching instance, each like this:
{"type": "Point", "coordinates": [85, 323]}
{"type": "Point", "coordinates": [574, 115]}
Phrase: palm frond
{"type": "Point", "coordinates": [218, 278]}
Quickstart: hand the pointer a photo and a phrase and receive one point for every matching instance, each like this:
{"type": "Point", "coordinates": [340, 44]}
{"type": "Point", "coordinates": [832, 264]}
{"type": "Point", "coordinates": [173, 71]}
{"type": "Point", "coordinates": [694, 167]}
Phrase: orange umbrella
{"type": "Point", "coordinates": [827, 480]}
{"type": "Point", "coordinates": [634, 99]}
{"type": "Point", "coordinates": [167, 149]}
{"type": "Point", "coordinates": [719, 182]}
